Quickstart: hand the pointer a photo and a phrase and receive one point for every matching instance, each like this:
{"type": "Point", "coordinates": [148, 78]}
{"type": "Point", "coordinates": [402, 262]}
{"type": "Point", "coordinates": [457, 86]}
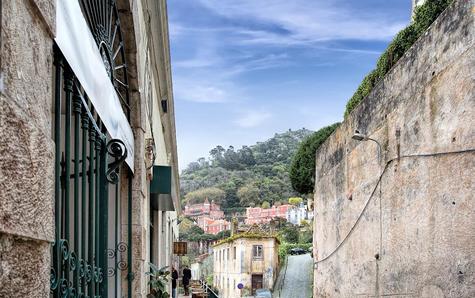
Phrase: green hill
{"type": "Point", "coordinates": [244, 177]}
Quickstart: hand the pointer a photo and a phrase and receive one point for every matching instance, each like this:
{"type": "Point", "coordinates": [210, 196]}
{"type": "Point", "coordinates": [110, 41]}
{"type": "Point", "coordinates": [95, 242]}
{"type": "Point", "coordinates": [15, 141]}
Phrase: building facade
{"type": "Point", "coordinates": [251, 261]}
{"type": "Point", "coordinates": [258, 215]}
{"type": "Point", "coordinates": [296, 214]}
{"type": "Point", "coordinates": [206, 209]}
{"type": "Point", "coordinates": [88, 166]}
{"type": "Point", "coordinates": [213, 226]}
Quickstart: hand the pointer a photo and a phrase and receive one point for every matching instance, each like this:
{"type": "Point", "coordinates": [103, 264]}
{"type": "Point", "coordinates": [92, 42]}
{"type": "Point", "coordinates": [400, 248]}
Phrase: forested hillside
{"type": "Point", "coordinates": [250, 176]}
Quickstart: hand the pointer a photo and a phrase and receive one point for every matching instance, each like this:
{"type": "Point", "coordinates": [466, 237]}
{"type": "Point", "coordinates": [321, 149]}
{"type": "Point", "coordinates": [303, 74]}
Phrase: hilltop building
{"type": "Point", "coordinates": [258, 215]}
{"type": "Point", "coordinates": [250, 259]}
{"type": "Point", "coordinates": [211, 210]}
{"type": "Point", "coordinates": [208, 216]}
{"type": "Point", "coordinates": [296, 214]}
{"type": "Point", "coordinates": [213, 226]}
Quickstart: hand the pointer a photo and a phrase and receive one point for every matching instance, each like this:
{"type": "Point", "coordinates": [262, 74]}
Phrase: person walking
{"type": "Point", "coordinates": [186, 280]}
{"type": "Point", "coordinates": [174, 278]}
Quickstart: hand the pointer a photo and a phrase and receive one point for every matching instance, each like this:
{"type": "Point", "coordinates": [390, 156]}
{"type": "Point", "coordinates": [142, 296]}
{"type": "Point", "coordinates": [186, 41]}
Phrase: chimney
{"type": "Point", "coordinates": [234, 226]}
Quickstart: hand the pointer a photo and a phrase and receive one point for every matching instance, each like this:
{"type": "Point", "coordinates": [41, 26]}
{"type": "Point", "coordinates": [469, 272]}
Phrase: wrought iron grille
{"type": "Point", "coordinates": [102, 17]}
{"type": "Point", "coordinates": [88, 254]}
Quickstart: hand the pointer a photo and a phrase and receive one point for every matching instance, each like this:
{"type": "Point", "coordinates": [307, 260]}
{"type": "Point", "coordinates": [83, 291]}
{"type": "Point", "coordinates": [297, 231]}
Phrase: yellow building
{"type": "Point", "coordinates": [250, 259]}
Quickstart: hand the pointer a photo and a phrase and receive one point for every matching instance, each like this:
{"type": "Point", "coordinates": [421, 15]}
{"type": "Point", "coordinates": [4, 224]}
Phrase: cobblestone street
{"type": "Point", "coordinates": [298, 278]}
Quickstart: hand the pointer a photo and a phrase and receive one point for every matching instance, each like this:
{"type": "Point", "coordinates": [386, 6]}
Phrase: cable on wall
{"type": "Point", "coordinates": [376, 187]}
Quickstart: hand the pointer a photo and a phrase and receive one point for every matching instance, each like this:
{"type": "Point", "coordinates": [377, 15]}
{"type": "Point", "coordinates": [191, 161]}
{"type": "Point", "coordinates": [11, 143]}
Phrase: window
{"type": "Point", "coordinates": [234, 252]}
{"type": "Point", "coordinates": [257, 252]}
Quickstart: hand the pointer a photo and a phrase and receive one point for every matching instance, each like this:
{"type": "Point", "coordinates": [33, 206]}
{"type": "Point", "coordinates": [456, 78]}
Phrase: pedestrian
{"type": "Point", "coordinates": [174, 278]}
{"type": "Point", "coordinates": [186, 279]}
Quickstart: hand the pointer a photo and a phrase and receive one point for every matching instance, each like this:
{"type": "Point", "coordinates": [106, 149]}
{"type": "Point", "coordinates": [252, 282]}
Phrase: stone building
{"type": "Point", "coordinates": [88, 163]}
{"type": "Point", "coordinates": [250, 260]}
{"type": "Point", "coordinates": [394, 216]}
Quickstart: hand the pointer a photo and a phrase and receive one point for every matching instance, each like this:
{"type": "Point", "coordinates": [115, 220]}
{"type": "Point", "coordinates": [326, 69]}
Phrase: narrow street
{"type": "Point", "coordinates": [297, 278]}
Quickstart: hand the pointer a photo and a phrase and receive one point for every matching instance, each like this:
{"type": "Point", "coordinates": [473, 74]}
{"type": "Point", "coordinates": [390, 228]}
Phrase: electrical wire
{"type": "Point", "coordinates": [375, 188]}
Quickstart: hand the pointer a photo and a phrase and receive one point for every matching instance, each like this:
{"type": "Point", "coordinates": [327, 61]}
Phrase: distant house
{"type": "Point", "coordinates": [213, 226]}
{"type": "Point", "coordinates": [296, 214]}
{"type": "Point", "coordinates": [209, 216]}
{"type": "Point", "coordinates": [258, 215]}
{"type": "Point", "coordinates": [211, 210]}
{"type": "Point", "coordinates": [250, 259]}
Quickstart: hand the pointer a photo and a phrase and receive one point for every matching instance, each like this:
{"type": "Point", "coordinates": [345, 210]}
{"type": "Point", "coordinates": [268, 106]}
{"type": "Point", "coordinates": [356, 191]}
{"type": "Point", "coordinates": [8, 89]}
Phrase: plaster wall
{"type": "Point", "coordinates": [414, 237]}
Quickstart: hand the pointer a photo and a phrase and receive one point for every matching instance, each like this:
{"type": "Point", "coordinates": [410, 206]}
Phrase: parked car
{"type": "Point", "coordinates": [263, 293]}
{"type": "Point", "coordinates": [297, 251]}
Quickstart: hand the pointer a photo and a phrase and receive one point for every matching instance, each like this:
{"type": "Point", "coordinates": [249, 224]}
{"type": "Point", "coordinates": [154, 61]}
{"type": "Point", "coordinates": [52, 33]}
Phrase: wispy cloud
{"type": "Point", "coordinates": [303, 21]}
{"type": "Point", "coordinates": [252, 119]}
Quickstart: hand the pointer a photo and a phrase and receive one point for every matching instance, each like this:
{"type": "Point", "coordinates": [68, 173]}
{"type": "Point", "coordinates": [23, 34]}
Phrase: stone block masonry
{"type": "Point", "coordinates": [409, 231]}
{"type": "Point", "coordinates": [26, 148]}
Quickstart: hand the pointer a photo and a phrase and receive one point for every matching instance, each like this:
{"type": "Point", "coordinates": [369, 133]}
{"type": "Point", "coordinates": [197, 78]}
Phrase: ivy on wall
{"type": "Point", "coordinates": [424, 16]}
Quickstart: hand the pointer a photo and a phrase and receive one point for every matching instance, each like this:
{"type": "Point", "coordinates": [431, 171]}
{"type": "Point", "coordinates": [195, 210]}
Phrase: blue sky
{"type": "Point", "coordinates": [246, 69]}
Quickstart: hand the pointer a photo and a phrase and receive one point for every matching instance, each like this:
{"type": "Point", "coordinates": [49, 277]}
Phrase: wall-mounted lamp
{"type": "Point", "coordinates": [164, 103]}
{"type": "Point", "coordinates": [358, 136]}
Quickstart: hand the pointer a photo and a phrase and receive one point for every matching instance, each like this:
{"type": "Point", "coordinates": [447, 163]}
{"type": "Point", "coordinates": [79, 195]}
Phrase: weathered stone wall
{"type": "Point", "coordinates": [26, 148]}
{"type": "Point", "coordinates": [416, 236]}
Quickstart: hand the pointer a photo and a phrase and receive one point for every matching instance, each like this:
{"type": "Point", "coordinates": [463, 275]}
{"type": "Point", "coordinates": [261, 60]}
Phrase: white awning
{"type": "Point", "coordinates": [77, 44]}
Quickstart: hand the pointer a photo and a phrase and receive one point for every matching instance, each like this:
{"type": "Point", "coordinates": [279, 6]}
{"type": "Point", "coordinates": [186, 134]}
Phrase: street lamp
{"type": "Point", "coordinates": [358, 136]}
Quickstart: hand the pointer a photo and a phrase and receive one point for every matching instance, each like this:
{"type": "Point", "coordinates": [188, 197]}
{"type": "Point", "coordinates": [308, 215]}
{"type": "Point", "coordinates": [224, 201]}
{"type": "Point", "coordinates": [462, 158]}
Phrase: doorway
{"type": "Point", "coordinates": [256, 282]}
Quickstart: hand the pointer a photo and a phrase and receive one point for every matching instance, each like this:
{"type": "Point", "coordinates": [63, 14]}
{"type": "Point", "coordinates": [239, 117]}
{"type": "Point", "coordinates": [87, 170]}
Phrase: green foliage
{"type": "Point", "coordinates": [265, 205]}
{"type": "Point", "coordinates": [290, 234]}
{"type": "Point", "coordinates": [295, 200]}
{"type": "Point", "coordinates": [424, 16]}
{"type": "Point", "coordinates": [253, 235]}
{"type": "Point", "coordinates": [427, 13]}
{"type": "Point", "coordinates": [211, 193]}
{"type": "Point", "coordinates": [302, 169]}
{"type": "Point", "coordinates": [248, 194]}
{"type": "Point", "coordinates": [158, 281]}
{"type": "Point", "coordinates": [285, 248]}
{"type": "Point", "coordinates": [194, 233]}
{"type": "Point", "coordinates": [223, 234]}
{"type": "Point", "coordinates": [247, 176]}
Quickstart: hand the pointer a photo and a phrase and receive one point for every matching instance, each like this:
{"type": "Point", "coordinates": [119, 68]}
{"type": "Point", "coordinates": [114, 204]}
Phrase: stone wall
{"type": "Point", "coordinates": [26, 148]}
{"type": "Point", "coordinates": [404, 225]}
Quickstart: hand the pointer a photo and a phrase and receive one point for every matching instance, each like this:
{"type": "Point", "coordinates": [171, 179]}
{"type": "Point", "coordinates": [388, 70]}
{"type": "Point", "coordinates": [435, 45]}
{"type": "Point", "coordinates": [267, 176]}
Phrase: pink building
{"type": "Point", "coordinates": [257, 215]}
{"type": "Point", "coordinates": [211, 226]}
{"type": "Point", "coordinates": [212, 210]}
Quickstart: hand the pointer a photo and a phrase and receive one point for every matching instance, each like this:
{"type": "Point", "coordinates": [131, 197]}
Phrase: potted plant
{"type": "Point", "coordinates": [158, 282]}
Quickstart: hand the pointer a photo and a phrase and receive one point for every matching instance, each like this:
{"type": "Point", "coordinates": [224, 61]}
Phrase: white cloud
{"type": "Point", "coordinates": [252, 119]}
{"type": "Point", "coordinates": [200, 91]}
{"type": "Point", "coordinates": [303, 21]}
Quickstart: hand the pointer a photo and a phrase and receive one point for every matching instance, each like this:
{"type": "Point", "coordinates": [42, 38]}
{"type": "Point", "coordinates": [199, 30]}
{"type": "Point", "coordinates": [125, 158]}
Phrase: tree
{"type": "Point", "coordinates": [223, 234]}
{"type": "Point", "coordinates": [302, 169]}
{"type": "Point", "coordinates": [295, 201]}
{"type": "Point", "coordinates": [246, 156]}
{"type": "Point", "coordinates": [248, 194]}
{"type": "Point", "coordinates": [265, 205]}
{"type": "Point", "coordinates": [210, 193]}
{"type": "Point", "coordinates": [290, 234]}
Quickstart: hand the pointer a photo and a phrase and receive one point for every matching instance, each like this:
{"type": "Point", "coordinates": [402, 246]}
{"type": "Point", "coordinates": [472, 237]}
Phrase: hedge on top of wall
{"type": "Point", "coordinates": [302, 168]}
{"type": "Point", "coordinates": [424, 16]}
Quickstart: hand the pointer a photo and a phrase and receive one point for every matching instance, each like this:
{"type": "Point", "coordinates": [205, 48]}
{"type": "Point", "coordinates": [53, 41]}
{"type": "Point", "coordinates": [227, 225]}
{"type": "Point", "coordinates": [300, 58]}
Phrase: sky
{"type": "Point", "coordinates": [244, 70]}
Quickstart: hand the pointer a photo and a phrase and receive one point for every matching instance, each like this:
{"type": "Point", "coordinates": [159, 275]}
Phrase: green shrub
{"type": "Point", "coordinates": [302, 168]}
{"type": "Point", "coordinates": [285, 248]}
{"type": "Point", "coordinates": [424, 16]}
